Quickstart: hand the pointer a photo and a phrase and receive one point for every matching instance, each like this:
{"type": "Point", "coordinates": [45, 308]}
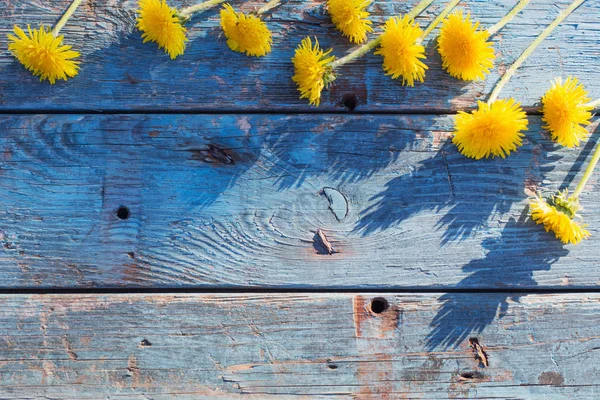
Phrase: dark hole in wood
{"type": "Point", "coordinates": [379, 305]}
{"type": "Point", "coordinates": [122, 212]}
{"type": "Point", "coordinates": [331, 365]}
{"type": "Point", "coordinates": [471, 375]}
{"type": "Point", "coordinates": [350, 101]}
{"type": "Point", "coordinates": [145, 343]}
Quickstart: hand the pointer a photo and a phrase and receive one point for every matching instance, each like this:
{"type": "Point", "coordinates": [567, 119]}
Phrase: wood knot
{"type": "Point", "coordinates": [214, 154]}
{"type": "Point", "coordinates": [551, 378]}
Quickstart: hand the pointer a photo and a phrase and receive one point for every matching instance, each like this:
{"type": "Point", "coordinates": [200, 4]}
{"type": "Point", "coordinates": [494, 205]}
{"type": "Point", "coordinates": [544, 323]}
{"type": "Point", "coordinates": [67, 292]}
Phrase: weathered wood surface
{"type": "Point", "coordinates": [267, 196]}
{"type": "Point", "coordinates": [121, 73]}
{"type": "Point", "coordinates": [228, 200]}
{"type": "Point", "coordinates": [332, 346]}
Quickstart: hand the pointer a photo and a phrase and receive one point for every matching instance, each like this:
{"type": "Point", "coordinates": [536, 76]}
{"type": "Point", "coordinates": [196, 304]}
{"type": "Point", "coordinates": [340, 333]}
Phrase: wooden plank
{"type": "Point", "coordinates": [237, 201]}
{"type": "Point", "coordinates": [121, 73]}
{"type": "Point", "coordinates": [263, 346]}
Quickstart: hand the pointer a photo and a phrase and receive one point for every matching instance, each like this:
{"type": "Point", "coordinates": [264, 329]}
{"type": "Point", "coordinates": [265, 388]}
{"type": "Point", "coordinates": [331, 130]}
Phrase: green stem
{"type": "Point", "coordinates": [270, 5]}
{"type": "Point", "coordinates": [361, 51]}
{"type": "Point", "coordinates": [63, 20]}
{"type": "Point", "coordinates": [438, 19]}
{"type": "Point", "coordinates": [510, 72]}
{"type": "Point", "coordinates": [588, 172]}
{"type": "Point", "coordinates": [508, 17]}
{"type": "Point", "coordinates": [370, 45]}
{"type": "Point", "coordinates": [593, 104]}
{"type": "Point", "coordinates": [419, 8]}
{"type": "Point", "coordinates": [187, 12]}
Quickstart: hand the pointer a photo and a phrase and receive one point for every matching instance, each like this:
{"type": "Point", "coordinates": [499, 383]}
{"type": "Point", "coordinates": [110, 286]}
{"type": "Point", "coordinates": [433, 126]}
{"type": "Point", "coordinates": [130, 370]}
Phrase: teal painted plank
{"type": "Point", "coordinates": [284, 346]}
{"type": "Point", "coordinates": [121, 73]}
{"type": "Point", "coordinates": [237, 201]}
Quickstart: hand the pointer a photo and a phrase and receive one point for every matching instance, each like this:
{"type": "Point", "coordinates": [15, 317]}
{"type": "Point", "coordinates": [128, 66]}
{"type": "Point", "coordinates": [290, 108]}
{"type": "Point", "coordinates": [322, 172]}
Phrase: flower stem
{"type": "Point", "coordinates": [361, 51]}
{"type": "Point", "coordinates": [510, 72]}
{"type": "Point", "coordinates": [187, 12]}
{"type": "Point", "coordinates": [508, 17]}
{"type": "Point", "coordinates": [270, 5]}
{"type": "Point", "coordinates": [419, 8]}
{"type": "Point", "coordinates": [593, 104]}
{"type": "Point", "coordinates": [371, 44]}
{"type": "Point", "coordinates": [438, 19]}
{"type": "Point", "coordinates": [588, 172]}
{"type": "Point", "coordinates": [63, 20]}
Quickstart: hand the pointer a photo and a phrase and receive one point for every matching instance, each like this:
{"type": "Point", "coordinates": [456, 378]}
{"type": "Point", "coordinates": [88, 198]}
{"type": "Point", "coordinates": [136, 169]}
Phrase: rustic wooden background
{"type": "Point", "coordinates": [159, 219]}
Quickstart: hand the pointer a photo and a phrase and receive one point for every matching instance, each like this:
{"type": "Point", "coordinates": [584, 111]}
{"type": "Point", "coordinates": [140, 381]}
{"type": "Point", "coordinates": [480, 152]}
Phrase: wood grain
{"type": "Point", "coordinates": [316, 346]}
{"type": "Point", "coordinates": [237, 201]}
{"type": "Point", "coordinates": [121, 73]}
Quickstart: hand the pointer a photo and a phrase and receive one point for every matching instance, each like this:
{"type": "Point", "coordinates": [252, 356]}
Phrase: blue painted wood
{"type": "Point", "coordinates": [121, 73]}
{"type": "Point", "coordinates": [285, 346]}
{"type": "Point", "coordinates": [237, 200]}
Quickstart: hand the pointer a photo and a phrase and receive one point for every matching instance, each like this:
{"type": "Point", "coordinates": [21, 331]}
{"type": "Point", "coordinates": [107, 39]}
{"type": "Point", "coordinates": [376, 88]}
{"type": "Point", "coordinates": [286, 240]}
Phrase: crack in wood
{"type": "Point", "coordinates": [480, 354]}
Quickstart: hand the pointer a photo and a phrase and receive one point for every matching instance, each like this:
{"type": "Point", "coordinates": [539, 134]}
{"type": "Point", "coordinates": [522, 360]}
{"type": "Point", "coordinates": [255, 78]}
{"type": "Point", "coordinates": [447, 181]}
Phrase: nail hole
{"type": "Point", "coordinates": [350, 101]}
{"type": "Point", "coordinates": [331, 365]}
{"type": "Point", "coordinates": [145, 343]}
{"type": "Point", "coordinates": [122, 212]}
{"type": "Point", "coordinates": [379, 305]}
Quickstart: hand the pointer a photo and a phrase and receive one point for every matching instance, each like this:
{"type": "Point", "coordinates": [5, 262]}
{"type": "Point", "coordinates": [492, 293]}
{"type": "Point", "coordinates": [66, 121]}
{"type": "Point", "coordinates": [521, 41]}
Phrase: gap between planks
{"type": "Point", "coordinates": [275, 291]}
{"type": "Point", "coordinates": [533, 111]}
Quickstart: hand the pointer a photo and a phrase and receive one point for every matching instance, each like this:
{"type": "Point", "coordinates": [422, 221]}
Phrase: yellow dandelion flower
{"type": "Point", "coordinates": [350, 18]}
{"type": "Point", "coordinates": [491, 130]}
{"type": "Point", "coordinates": [466, 53]}
{"type": "Point", "coordinates": [565, 111]}
{"type": "Point", "coordinates": [558, 217]}
{"type": "Point", "coordinates": [43, 54]}
{"type": "Point", "coordinates": [162, 25]}
{"type": "Point", "coordinates": [402, 51]}
{"type": "Point", "coordinates": [312, 70]}
{"type": "Point", "coordinates": [245, 33]}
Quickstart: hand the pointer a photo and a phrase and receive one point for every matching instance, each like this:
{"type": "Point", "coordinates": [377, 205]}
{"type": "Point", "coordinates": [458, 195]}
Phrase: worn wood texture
{"type": "Point", "coordinates": [237, 200]}
{"type": "Point", "coordinates": [332, 346]}
{"type": "Point", "coordinates": [121, 73]}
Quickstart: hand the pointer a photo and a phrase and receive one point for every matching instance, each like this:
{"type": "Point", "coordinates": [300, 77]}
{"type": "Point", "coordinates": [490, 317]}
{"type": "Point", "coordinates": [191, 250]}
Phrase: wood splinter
{"type": "Point", "coordinates": [480, 354]}
{"type": "Point", "coordinates": [325, 242]}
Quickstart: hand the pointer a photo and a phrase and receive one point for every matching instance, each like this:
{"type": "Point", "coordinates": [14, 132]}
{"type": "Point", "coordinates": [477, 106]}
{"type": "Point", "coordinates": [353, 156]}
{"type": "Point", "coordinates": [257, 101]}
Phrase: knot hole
{"type": "Point", "coordinates": [123, 212]}
{"type": "Point", "coordinates": [379, 305]}
{"type": "Point", "coordinates": [350, 101]}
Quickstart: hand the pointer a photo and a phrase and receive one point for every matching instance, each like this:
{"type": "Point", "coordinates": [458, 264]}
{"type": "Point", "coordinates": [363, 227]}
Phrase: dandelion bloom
{"type": "Point", "coordinates": [558, 218]}
{"type": "Point", "coordinates": [350, 18]}
{"type": "Point", "coordinates": [402, 51]}
{"type": "Point", "coordinates": [245, 33]}
{"type": "Point", "coordinates": [565, 111]}
{"type": "Point", "coordinates": [162, 25]}
{"type": "Point", "coordinates": [43, 54]}
{"type": "Point", "coordinates": [491, 130]}
{"type": "Point", "coordinates": [312, 70]}
{"type": "Point", "coordinates": [466, 53]}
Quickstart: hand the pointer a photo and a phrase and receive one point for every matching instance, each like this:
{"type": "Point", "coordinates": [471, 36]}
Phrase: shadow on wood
{"type": "Point", "coordinates": [460, 316]}
{"type": "Point", "coordinates": [486, 189]}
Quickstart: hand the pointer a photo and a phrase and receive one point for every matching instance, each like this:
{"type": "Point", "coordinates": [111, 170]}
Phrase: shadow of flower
{"type": "Point", "coordinates": [509, 263]}
{"type": "Point", "coordinates": [468, 191]}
